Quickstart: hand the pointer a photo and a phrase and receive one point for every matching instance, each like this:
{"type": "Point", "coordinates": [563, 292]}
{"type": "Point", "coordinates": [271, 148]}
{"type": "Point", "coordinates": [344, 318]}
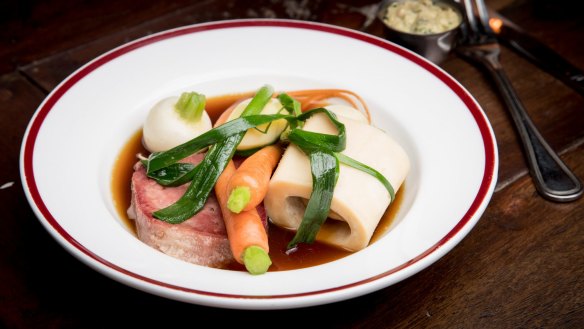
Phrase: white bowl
{"type": "Point", "coordinates": [72, 141]}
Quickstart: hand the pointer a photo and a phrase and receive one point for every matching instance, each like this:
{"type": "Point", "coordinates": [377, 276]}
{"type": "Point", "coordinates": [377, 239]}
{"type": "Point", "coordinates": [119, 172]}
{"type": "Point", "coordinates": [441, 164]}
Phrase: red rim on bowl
{"type": "Point", "coordinates": [28, 145]}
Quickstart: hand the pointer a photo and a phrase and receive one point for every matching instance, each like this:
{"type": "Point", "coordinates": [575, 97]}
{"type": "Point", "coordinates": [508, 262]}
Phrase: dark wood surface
{"type": "Point", "coordinates": [522, 266]}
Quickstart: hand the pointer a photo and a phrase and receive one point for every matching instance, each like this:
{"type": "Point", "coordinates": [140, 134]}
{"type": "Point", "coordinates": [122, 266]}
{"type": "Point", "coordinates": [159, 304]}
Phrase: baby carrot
{"type": "Point", "coordinates": [249, 185]}
{"type": "Point", "coordinates": [247, 236]}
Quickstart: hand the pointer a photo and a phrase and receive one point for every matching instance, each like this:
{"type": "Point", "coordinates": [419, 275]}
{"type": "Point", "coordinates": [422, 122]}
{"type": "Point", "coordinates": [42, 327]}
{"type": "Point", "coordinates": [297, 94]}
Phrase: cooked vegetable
{"type": "Point", "coordinates": [223, 117]}
{"type": "Point", "coordinates": [248, 187]}
{"type": "Point", "coordinates": [174, 120]}
{"type": "Point", "coordinates": [247, 236]}
{"type": "Point", "coordinates": [262, 135]}
{"type": "Point", "coordinates": [312, 141]}
{"type": "Point", "coordinates": [290, 104]}
{"type": "Point", "coordinates": [324, 167]}
{"type": "Point", "coordinates": [256, 260]}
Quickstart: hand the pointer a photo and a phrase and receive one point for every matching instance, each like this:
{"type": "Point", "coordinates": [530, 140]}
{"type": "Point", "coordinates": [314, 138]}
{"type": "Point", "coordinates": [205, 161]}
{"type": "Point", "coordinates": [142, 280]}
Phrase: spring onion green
{"type": "Point", "coordinates": [324, 167]}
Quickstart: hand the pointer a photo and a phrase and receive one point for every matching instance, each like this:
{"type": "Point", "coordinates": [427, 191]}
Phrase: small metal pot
{"type": "Point", "coordinates": [434, 47]}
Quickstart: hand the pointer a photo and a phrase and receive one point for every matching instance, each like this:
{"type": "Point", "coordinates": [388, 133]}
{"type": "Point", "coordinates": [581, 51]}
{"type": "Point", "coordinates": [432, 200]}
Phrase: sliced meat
{"type": "Point", "coordinates": [201, 239]}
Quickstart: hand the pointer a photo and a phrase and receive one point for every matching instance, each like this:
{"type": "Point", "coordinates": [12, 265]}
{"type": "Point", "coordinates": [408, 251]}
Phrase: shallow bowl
{"type": "Point", "coordinates": [95, 111]}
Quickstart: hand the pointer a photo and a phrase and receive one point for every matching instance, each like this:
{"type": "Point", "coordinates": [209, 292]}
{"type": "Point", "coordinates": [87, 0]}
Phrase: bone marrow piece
{"type": "Point", "coordinates": [359, 199]}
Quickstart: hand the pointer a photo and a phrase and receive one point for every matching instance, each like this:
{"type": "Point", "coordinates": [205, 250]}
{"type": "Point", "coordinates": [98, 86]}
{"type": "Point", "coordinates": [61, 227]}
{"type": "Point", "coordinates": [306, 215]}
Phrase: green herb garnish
{"type": "Point", "coordinates": [324, 167]}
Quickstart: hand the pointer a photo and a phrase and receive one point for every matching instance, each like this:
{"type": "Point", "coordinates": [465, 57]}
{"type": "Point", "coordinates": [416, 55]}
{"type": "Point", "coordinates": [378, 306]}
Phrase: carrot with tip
{"type": "Point", "coordinates": [246, 232]}
{"type": "Point", "coordinates": [249, 185]}
{"type": "Point", "coordinates": [248, 238]}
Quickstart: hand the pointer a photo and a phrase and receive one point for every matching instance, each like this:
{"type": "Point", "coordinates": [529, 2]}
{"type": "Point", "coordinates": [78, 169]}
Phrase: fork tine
{"type": "Point", "coordinates": [484, 16]}
{"type": "Point", "coordinates": [470, 17]}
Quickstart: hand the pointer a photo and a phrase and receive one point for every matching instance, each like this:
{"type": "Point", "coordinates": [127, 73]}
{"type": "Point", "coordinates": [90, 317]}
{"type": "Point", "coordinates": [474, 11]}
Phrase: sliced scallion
{"type": "Point", "coordinates": [174, 175]}
{"type": "Point", "coordinates": [319, 141]}
{"type": "Point", "coordinates": [324, 167]}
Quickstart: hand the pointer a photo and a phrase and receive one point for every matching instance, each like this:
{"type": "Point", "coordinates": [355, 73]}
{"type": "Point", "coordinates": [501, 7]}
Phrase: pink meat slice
{"type": "Point", "coordinates": [201, 239]}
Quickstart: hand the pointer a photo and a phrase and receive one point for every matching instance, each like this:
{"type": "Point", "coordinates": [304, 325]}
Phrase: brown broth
{"type": "Point", "coordinates": [214, 106]}
{"type": "Point", "coordinates": [389, 216]}
{"type": "Point", "coordinates": [122, 175]}
{"type": "Point", "coordinates": [304, 256]}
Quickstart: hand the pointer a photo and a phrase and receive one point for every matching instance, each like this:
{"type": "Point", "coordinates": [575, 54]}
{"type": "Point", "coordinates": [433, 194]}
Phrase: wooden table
{"type": "Point", "coordinates": [522, 266]}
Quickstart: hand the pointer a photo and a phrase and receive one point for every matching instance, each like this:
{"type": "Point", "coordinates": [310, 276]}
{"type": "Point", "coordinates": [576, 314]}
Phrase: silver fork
{"type": "Point", "coordinates": [553, 179]}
